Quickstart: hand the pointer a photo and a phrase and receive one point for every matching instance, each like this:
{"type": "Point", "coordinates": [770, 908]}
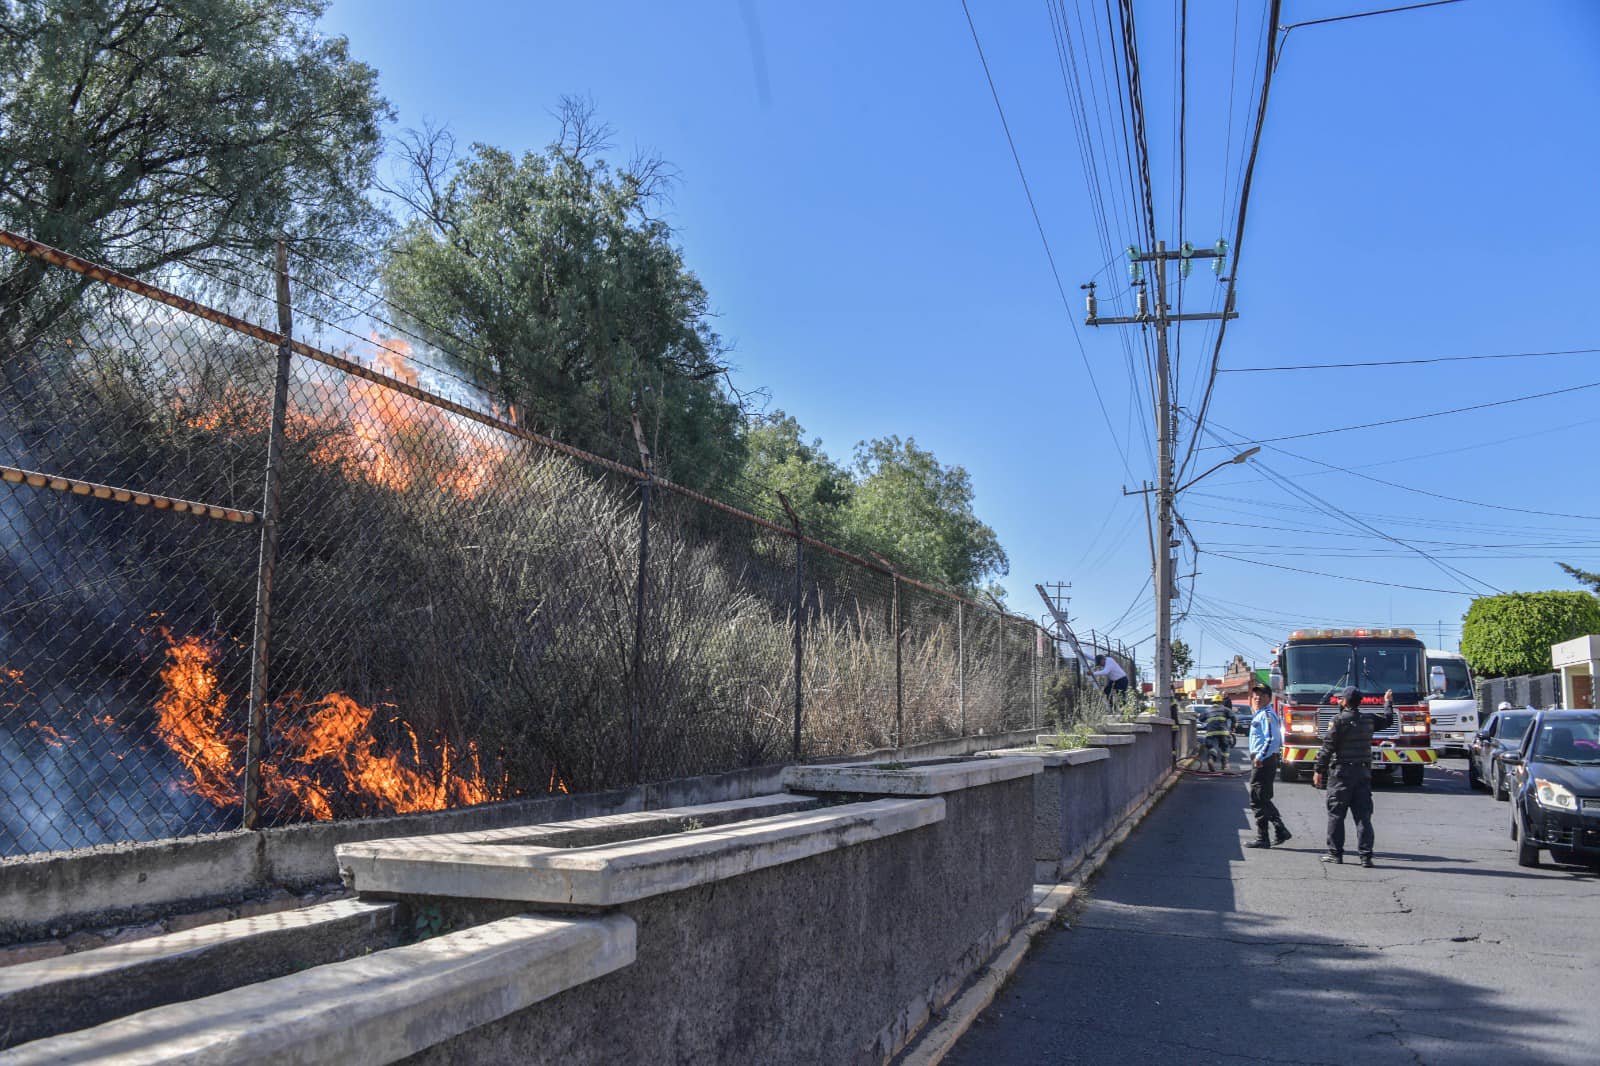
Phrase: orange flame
{"type": "Point", "coordinates": [398, 442]}
{"type": "Point", "coordinates": [325, 759]}
{"type": "Point", "coordinates": [370, 430]}
{"type": "Point", "coordinates": [192, 710]}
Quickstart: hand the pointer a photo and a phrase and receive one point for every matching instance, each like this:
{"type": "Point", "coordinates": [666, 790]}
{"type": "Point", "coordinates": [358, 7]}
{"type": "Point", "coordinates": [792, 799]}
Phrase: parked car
{"type": "Point", "coordinates": [1555, 788]}
{"type": "Point", "coordinates": [1500, 734]}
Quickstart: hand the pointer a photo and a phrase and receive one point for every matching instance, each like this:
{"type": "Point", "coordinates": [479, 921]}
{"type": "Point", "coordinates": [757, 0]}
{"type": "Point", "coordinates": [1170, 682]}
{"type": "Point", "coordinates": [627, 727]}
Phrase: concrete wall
{"type": "Point", "coordinates": [52, 894]}
{"type": "Point", "coordinates": [836, 958]}
{"type": "Point", "coordinates": [1073, 815]}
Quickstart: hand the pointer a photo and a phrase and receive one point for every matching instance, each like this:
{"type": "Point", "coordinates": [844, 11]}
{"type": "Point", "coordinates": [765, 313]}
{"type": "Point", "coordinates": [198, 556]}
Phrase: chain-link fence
{"type": "Point", "coordinates": [249, 582]}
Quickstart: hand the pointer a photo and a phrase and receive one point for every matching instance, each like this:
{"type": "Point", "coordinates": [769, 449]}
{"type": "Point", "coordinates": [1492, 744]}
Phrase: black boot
{"type": "Point", "coordinates": [1258, 842]}
{"type": "Point", "coordinates": [1333, 857]}
{"type": "Point", "coordinates": [1366, 860]}
{"type": "Point", "coordinates": [1282, 835]}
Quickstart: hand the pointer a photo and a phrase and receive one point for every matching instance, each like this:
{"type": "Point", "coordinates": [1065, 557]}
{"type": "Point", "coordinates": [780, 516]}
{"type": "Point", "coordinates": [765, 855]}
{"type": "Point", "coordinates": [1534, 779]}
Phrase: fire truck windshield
{"type": "Point", "coordinates": [1313, 672]}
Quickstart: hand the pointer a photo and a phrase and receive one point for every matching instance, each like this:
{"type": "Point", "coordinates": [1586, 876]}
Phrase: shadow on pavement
{"type": "Point", "coordinates": [1193, 950]}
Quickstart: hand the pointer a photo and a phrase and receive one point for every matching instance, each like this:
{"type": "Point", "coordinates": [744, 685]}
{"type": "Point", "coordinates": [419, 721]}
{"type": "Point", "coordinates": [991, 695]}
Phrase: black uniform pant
{"type": "Point", "coordinates": [1350, 789]}
{"type": "Point", "coordinates": [1262, 776]}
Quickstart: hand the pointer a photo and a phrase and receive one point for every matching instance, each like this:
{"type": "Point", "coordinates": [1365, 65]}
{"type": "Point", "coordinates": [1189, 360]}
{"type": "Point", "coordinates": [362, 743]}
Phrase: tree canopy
{"type": "Point", "coordinates": [148, 133]}
{"type": "Point", "coordinates": [550, 276]}
{"type": "Point", "coordinates": [1583, 577]}
{"type": "Point", "coordinates": [1510, 635]}
{"type": "Point", "coordinates": [780, 459]}
{"type": "Point", "coordinates": [1182, 659]}
{"type": "Point", "coordinates": [918, 513]}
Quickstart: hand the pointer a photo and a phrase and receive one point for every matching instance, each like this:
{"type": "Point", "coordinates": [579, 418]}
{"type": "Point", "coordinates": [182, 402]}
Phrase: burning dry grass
{"type": "Point", "coordinates": [454, 610]}
{"type": "Point", "coordinates": [324, 758]}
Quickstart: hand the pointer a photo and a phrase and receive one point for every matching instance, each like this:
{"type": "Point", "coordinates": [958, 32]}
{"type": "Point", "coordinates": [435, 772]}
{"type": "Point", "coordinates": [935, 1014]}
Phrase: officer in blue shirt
{"type": "Point", "coordinates": [1266, 749]}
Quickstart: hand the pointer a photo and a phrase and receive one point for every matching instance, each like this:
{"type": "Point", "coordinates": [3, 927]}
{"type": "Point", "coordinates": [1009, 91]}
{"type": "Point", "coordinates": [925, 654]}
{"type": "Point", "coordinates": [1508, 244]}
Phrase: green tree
{"type": "Point", "coordinates": [1510, 635]}
{"type": "Point", "coordinates": [778, 458]}
{"type": "Point", "coordinates": [1583, 577]}
{"type": "Point", "coordinates": [915, 511]}
{"type": "Point", "coordinates": [152, 133]}
{"type": "Point", "coordinates": [1182, 659]}
{"type": "Point", "coordinates": [570, 296]}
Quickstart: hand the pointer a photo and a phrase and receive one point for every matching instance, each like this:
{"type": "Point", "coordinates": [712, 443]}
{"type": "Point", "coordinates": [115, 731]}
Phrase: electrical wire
{"type": "Point", "coordinates": [1238, 236]}
{"type": "Point", "coordinates": [1404, 362]}
{"type": "Point", "coordinates": [1049, 255]}
{"type": "Point", "coordinates": [1411, 418]}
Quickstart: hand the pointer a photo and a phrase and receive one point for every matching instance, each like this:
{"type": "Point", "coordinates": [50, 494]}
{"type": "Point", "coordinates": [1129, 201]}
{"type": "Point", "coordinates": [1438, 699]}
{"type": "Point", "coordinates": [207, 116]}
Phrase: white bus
{"type": "Point", "coordinates": [1454, 712]}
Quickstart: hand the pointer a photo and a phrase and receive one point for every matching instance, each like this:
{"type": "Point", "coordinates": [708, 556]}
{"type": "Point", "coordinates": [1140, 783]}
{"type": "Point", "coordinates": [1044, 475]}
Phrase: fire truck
{"type": "Point", "coordinates": [1313, 666]}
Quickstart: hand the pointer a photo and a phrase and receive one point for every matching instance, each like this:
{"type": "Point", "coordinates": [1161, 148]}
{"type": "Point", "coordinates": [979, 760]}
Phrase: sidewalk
{"type": "Point", "coordinates": [1194, 950]}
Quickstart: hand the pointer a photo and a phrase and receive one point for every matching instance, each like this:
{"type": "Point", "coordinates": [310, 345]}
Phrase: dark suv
{"type": "Point", "coordinates": [1555, 788]}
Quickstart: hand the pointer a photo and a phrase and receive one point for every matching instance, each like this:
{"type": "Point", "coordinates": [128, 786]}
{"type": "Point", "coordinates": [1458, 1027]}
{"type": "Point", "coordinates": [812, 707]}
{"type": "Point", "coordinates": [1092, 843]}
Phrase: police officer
{"type": "Point", "coordinates": [1216, 728]}
{"type": "Point", "coordinates": [1266, 749]}
{"type": "Point", "coordinates": [1344, 767]}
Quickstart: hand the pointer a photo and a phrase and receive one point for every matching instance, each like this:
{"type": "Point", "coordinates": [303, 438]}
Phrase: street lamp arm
{"type": "Point", "coordinates": [1241, 457]}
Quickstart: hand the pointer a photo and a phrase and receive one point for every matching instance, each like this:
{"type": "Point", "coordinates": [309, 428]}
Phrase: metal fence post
{"type": "Point", "coordinates": [799, 618]}
{"type": "Point", "coordinates": [634, 706]}
{"type": "Point", "coordinates": [268, 560]}
{"type": "Point", "coordinates": [1000, 641]}
{"type": "Point", "coordinates": [961, 665]}
{"type": "Point", "coordinates": [899, 695]}
{"type": "Point", "coordinates": [1033, 680]}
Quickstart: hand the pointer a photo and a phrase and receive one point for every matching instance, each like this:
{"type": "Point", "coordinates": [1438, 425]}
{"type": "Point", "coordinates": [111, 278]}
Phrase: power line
{"type": "Point", "coordinates": [1333, 510]}
{"type": "Point", "coordinates": [1410, 418]}
{"type": "Point", "coordinates": [1342, 577]}
{"type": "Point", "coordinates": [1238, 234]}
{"type": "Point", "coordinates": [1130, 47]}
{"type": "Point", "coordinates": [1039, 224]}
{"type": "Point", "coordinates": [1405, 362]}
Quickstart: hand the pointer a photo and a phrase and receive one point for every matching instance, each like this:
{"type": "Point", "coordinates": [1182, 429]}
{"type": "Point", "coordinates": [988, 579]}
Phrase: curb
{"type": "Point", "coordinates": [937, 1041]}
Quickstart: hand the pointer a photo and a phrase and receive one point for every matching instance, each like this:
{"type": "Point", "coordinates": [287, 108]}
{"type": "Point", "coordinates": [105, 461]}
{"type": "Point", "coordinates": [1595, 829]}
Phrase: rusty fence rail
{"type": "Point", "coordinates": [410, 602]}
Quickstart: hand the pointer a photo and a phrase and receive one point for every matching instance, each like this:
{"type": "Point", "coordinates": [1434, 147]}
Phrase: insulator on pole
{"type": "Point", "coordinates": [1143, 303]}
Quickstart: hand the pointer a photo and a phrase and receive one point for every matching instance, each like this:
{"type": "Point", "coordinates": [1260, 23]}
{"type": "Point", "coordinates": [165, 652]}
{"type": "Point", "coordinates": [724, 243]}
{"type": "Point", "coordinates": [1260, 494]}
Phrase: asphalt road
{"type": "Point", "coordinates": [1194, 950]}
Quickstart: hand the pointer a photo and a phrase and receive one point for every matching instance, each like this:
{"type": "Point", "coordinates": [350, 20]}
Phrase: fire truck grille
{"type": "Point", "coordinates": [1325, 719]}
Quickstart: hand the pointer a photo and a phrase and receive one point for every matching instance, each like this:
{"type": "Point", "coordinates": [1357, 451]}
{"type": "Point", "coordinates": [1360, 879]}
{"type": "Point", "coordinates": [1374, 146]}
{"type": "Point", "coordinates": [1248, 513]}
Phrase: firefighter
{"type": "Point", "coordinates": [1344, 768]}
{"type": "Point", "coordinates": [1216, 728]}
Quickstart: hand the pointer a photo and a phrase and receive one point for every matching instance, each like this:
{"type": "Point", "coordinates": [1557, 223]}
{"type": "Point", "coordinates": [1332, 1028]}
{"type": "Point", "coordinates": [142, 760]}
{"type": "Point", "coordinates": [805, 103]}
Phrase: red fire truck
{"type": "Point", "coordinates": [1314, 665]}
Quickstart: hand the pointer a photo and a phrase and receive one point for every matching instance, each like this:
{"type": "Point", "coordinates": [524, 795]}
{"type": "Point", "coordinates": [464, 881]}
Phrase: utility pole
{"type": "Point", "coordinates": [1166, 424]}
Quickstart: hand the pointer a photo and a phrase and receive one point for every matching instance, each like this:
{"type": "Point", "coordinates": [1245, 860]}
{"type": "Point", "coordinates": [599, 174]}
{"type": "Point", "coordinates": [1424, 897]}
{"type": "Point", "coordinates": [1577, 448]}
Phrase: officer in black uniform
{"type": "Point", "coordinates": [1344, 767]}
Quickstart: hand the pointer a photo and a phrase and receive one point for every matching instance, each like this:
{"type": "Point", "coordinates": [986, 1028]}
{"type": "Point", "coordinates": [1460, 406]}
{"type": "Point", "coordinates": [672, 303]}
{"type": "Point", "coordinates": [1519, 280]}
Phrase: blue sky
{"type": "Point", "coordinates": [1426, 187]}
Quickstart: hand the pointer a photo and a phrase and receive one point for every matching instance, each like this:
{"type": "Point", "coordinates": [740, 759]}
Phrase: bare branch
{"type": "Point", "coordinates": [580, 134]}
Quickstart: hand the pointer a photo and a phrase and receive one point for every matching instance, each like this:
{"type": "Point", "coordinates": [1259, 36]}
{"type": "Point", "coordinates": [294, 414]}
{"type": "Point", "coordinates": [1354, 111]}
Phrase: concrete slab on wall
{"type": "Point", "coordinates": [931, 778]}
{"type": "Point", "coordinates": [608, 874]}
{"type": "Point", "coordinates": [365, 1011]}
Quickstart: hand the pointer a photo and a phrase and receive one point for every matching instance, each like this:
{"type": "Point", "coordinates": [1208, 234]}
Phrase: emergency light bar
{"type": "Point", "coordinates": [1324, 634]}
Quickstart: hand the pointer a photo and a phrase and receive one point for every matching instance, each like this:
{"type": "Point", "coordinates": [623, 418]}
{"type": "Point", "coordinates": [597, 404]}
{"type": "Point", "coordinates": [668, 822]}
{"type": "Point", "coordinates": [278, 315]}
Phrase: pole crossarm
{"type": "Point", "coordinates": [1139, 320]}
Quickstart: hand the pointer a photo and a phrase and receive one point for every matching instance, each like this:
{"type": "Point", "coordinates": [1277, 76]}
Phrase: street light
{"type": "Point", "coordinates": [1241, 457]}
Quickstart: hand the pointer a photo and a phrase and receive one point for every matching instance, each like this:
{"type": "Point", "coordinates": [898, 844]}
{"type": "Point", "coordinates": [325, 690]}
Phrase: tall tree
{"type": "Point", "coordinates": [149, 133]}
{"type": "Point", "coordinates": [1182, 659]}
{"type": "Point", "coordinates": [779, 458]}
{"type": "Point", "coordinates": [1583, 577]}
{"type": "Point", "coordinates": [551, 276]}
{"type": "Point", "coordinates": [918, 513]}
